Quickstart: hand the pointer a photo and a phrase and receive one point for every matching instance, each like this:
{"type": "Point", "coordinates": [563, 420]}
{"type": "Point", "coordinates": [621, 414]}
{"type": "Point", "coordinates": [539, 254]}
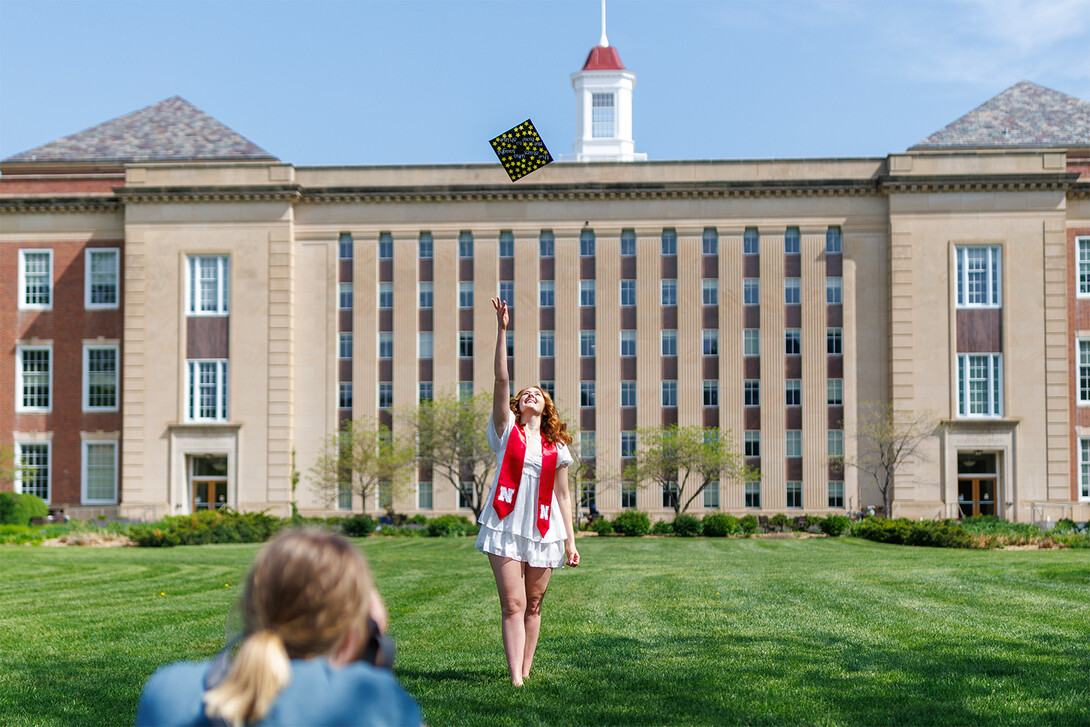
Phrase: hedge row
{"type": "Point", "coordinates": [634, 523]}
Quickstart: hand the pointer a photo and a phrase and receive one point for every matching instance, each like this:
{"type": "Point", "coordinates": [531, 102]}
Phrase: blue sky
{"type": "Point", "coordinates": [348, 82]}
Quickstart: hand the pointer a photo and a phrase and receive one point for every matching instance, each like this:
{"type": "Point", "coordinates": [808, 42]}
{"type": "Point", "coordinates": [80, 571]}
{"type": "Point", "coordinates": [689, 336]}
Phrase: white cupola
{"type": "Point", "coordinates": [603, 106]}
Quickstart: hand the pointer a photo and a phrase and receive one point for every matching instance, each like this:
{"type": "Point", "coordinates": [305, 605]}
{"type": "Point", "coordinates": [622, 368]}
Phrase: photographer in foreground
{"type": "Point", "coordinates": [309, 613]}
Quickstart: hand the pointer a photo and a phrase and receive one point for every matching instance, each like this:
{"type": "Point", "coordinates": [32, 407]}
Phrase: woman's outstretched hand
{"type": "Point", "coordinates": [502, 316]}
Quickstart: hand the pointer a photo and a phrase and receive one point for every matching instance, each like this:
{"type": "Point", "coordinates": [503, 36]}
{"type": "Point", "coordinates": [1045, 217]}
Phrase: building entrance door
{"type": "Point", "coordinates": [208, 482]}
{"type": "Point", "coordinates": [976, 496]}
{"type": "Point", "coordinates": [209, 495]}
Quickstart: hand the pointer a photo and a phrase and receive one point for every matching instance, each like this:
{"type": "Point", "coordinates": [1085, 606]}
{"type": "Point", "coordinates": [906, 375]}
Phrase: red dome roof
{"type": "Point", "coordinates": [603, 58]}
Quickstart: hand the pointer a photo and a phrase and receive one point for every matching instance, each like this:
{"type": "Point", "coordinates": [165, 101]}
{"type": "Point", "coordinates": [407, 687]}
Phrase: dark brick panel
{"type": "Point", "coordinates": [206, 336]}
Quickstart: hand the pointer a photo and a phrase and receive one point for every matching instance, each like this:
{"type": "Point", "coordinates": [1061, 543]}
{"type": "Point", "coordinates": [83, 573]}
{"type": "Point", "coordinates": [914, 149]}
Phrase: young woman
{"type": "Point", "coordinates": [526, 524]}
{"type": "Point", "coordinates": [306, 612]}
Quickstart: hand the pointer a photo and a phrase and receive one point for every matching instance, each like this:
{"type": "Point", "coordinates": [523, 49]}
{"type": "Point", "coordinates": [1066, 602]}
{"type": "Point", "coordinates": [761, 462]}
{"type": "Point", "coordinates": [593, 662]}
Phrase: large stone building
{"type": "Point", "coordinates": [180, 310]}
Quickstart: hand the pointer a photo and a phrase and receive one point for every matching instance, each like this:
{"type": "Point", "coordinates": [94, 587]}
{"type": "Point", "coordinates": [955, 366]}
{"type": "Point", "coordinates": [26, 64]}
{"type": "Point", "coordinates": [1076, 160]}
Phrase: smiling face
{"type": "Point", "coordinates": [531, 401]}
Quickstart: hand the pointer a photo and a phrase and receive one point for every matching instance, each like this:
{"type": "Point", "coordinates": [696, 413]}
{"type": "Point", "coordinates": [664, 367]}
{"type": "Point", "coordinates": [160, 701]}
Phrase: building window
{"type": "Point", "coordinates": [100, 378]}
{"type": "Point", "coordinates": [628, 243]}
{"type": "Point", "coordinates": [206, 387]}
{"type": "Point", "coordinates": [669, 393]}
{"type": "Point", "coordinates": [628, 394]}
{"type": "Point", "coordinates": [385, 344]}
{"type": "Point", "coordinates": [711, 392]}
{"type": "Point", "coordinates": [834, 392]}
{"type": "Point", "coordinates": [344, 497]}
{"type": "Point", "coordinates": [980, 383]}
{"type": "Point", "coordinates": [344, 395]}
{"type": "Point", "coordinates": [601, 116]}
{"type": "Point", "coordinates": [751, 291]}
{"type": "Point", "coordinates": [426, 294]}
{"type": "Point", "coordinates": [425, 345]}
{"type": "Point", "coordinates": [465, 344]}
{"type": "Point", "coordinates": [751, 342]}
{"type": "Point", "coordinates": [833, 244]}
{"type": "Point", "coordinates": [751, 443]}
{"type": "Point", "coordinates": [424, 499]}
{"type": "Point", "coordinates": [669, 342]}
{"type": "Point", "coordinates": [835, 443]}
{"type": "Point", "coordinates": [34, 473]}
{"type": "Point", "coordinates": [793, 443]}
{"type": "Point", "coordinates": [344, 345]}
{"type": "Point", "coordinates": [978, 276]}
{"type": "Point", "coordinates": [834, 341]}
{"type": "Point", "coordinates": [588, 495]}
{"type": "Point", "coordinates": [628, 445]}
{"type": "Point", "coordinates": [1083, 345]}
{"type": "Point", "coordinates": [1084, 468]}
{"type": "Point", "coordinates": [33, 378]}
{"type": "Point", "coordinates": [628, 495]}
{"type": "Point", "coordinates": [792, 338]}
{"type": "Point", "coordinates": [385, 395]}
{"type": "Point", "coordinates": [101, 272]}
{"type": "Point", "coordinates": [669, 243]}
{"type": "Point", "coordinates": [588, 445]}
{"type": "Point", "coordinates": [465, 495]}
{"type": "Point", "coordinates": [628, 343]}
{"type": "Point", "coordinates": [385, 246]}
{"type": "Point", "coordinates": [791, 241]}
{"type": "Point", "coordinates": [99, 473]}
{"type": "Point", "coordinates": [628, 292]}
{"type": "Point", "coordinates": [586, 293]}
{"type": "Point", "coordinates": [794, 494]}
{"type": "Point", "coordinates": [793, 392]}
{"type": "Point", "coordinates": [35, 279]}
{"type": "Point", "coordinates": [1084, 266]}
{"type": "Point", "coordinates": [792, 291]}
{"type": "Point", "coordinates": [507, 292]}
{"type": "Point", "coordinates": [546, 290]}
{"type": "Point", "coordinates": [711, 495]}
{"type": "Point", "coordinates": [836, 493]}
{"type": "Point", "coordinates": [208, 285]}
{"type": "Point", "coordinates": [507, 244]}
{"type": "Point", "coordinates": [751, 392]}
{"type": "Point", "coordinates": [344, 246]}
{"type": "Point", "coordinates": [344, 296]}
{"type": "Point", "coordinates": [669, 495]}
{"type": "Point", "coordinates": [709, 291]}
{"type": "Point", "coordinates": [709, 241]}
{"type": "Point", "coordinates": [465, 390]}
{"type": "Point", "coordinates": [586, 243]}
{"type": "Point", "coordinates": [425, 391]}
{"type": "Point", "coordinates": [753, 494]}
{"type": "Point", "coordinates": [587, 341]}
{"type": "Point", "coordinates": [465, 294]}
{"type": "Point", "coordinates": [710, 341]}
{"type": "Point", "coordinates": [751, 242]}
{"type": "Point", "coordinates": [834, 293]}
{"type": "Point", "coordinates": [546, 341]}
{"type": "Point", "coordinates": [385, 296]}
{"type": "Point", "coordinates": [465, 244]}
{"type": "Point", "coordinates": [549, 387]}
{"type": "Point", "coordinates": [669, 292]}
{"type": "Point", "coordinates": [425, 246]}
{"type": "Point", "coordinates": [546, 244]}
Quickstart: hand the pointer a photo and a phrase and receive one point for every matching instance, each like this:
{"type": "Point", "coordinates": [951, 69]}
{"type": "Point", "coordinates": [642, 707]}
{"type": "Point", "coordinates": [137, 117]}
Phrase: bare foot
{"type": "Point", "coordinates": [516, 682]}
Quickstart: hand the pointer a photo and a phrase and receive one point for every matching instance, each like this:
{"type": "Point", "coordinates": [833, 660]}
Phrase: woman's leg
{"type": "Point", "coordinates": [537, 580]}
{"type": "Point", "coordinates": [509, 582]}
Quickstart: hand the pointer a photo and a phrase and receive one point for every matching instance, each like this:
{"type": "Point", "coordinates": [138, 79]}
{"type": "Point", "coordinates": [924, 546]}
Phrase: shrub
{"type": "Point", "coordinates": [632, 523]}
{"type": "Point", "coordinates": [420, 520]}
{"type": "Point", "coordinates": [358, 526]}
{"type": "Point", "coordinates": [450, 526]}
{"type": "Point", "coordinates": [208, 526]}
{"type": "Point", "coordinates": [687, 526]}
{"type": "Point", "coordinates": [749, 524]}
{"type": "Point", "coordinates": [902, 531]}
{"type": "Point", "coordinates": [1063, 525]}
{"type": "Point", "coordinates": [601, 526]}
{"type": "Point", "coordinates": [19, 508]}
{"type": "Point", "coordinates": [662, 527]}
{"type": "Point", "coordinates": [778, 522]}
{"type": "Point", "coordinates": [835, 525]}
{"type": "Point", "coordinates": [720, 525]}
{"type": "Point", "coordinates": [408, 530]}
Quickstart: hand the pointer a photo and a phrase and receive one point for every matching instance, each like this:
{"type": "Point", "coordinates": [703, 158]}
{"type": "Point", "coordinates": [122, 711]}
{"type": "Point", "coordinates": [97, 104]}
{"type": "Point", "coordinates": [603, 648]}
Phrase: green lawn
{"type": "Point", "coordinates": [650, 631]}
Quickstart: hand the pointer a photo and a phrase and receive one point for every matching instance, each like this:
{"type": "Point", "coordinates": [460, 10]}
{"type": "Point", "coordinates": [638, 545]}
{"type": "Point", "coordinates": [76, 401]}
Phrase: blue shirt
{"type": "Point", "coordinates": [318, 694]}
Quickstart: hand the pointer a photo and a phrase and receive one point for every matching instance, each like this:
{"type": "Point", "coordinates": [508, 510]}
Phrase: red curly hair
{"type": "Point", "coordinates": [553, 430]}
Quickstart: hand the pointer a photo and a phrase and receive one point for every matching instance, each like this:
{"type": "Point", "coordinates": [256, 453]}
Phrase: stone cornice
{"type": "Point", "coordinates": [55, 205]}
{"type": "Point", "coordinates": [167, 195]}
{"type": "Point", "coordinates": [977, 182]}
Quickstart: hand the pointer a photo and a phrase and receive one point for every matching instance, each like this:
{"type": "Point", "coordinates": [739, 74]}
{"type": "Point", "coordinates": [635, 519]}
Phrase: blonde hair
{"type": "Point", "coordinates": [553, 430]}
{"type": "Point", "coordinates": [306, 591]}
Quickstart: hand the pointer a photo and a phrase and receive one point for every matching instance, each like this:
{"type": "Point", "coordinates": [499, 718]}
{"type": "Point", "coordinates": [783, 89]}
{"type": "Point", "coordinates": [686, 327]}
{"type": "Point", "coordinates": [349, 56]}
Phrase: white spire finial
{"type": "Point", "coordinates": [604, 42]}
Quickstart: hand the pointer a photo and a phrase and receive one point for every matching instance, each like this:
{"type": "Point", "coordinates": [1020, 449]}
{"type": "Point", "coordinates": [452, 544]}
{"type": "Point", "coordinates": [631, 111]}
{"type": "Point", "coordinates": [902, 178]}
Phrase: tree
{"type": "Point", "coordinates": [451, 439]}
{"type": "Point", "coordinates": [887, 440]}
{"type": "Point", "coordinates": [686, 459]}
{"type": "Point", "coordinates": [8, 466]}
{"type": "Point", "coordinates": [362, 457]}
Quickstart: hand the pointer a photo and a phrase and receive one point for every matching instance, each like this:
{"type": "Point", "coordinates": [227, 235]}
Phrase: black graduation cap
{"type": "Point", "coordinates": [521, 150]}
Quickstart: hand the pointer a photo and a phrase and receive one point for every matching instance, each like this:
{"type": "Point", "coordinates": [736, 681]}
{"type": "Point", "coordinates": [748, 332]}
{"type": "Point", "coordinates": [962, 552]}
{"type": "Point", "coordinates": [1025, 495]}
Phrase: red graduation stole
{"type": "Point", "coordinates": [511, 476]}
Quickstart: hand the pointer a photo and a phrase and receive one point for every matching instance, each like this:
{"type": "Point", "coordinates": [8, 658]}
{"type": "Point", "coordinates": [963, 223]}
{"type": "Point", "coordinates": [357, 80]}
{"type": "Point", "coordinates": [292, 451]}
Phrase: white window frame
{"type": "Point", "coordinates": [19, 382]}
{"type": "Point", "coordinates": [628, 293]}
{"type": "Point", "coordinates": [385, 296]}
{"type": "Point", "coordinates": [344, 345]}
{"type": "Point", "coordinates": [587, 293]}
{"type": "Point", "coordinates": [506, 292]}
{"type": "Point", "coordinates": [628, 495]}
{"type": "Point", "coordinates": [588, 394]}
{"type": "Point", "coordinates": [587, 243]}
{"type": "Point", "coordinates": [792, 291]}
{"type": "Point", "coordinates": [603, 116]}
{"type": "Point", "coordinates": [1084, 469]}
{"type": "Point", "coordinates": [628, 243]}
{"type": "Point", "coordinates": [834, 392]}
{"type": "Point", "coordinates": [385, 246]}
{"type": "Point", "coordinates": [425, 345]}
{"type": "Point", "coordinates": [385, 345]}
{"type": "Point", "coordinates": [427, 386]}
{"type": "Point", "coordinates": [425, 246]}
{"type": "Point", "coordinates": [506, 245]}
{"type": "Point", "coordinates": [86, 378]}
{"type": "Point", "coordinates": [792, 487]}
{"type": "Point", "coordinates": [546, 344]}
{"type": "Point", "coordinates": [1082, 378]}
{"type": "Point", "coordinates": [792, 241]}
{"type": "Point", "coordinates": [628, 445]}
{"type": "Point", "coordinates": [709, 242]}
{"type": "Point", "coordinates": [792, 443]}
{"type": "Point", "coordinates": [465, 245]}
{"type": "Point", "coordinates": [751, 291]}
{"type": "Point", "coordinates": [425, 295]}
{"type": "Point", "coordinates": [751, 341]}
{"type": "Point", "coordinates": [751, 439]}
{"type": "Point", "coordinates": [709, 291]}
{"type": "Point", "coordinates": [85, 498]}
{"type": "Point", "coordinates": [792, 389]}
{"type": "Point", "coordinates": [668, 292]}
{"type": "Point", "coordinates": [668, 343]}
{"type": "Point", "coordinates": [344, 295]}
{"type": "Point", "coordinates": [23, 305]}
{"type": "Point", "coordinates": [668, 242]}
{"type": "Point", "coordinates": [754, 386]}
{"type": "Point", "coordinates": [344, 246]}
{"type": "Point", "coordinates": [546, 244]}
{"type": "Point", "coordinates": [709, 341]}
{"type": "Point", "coordinates": [751, 241]}
{"type": "Point", "coordinates": [711, 392]}
{"type": "Point", "coordinates": [628, 336]}
{"type": "Point", "coordinates": [834, 334]}
{"type": "Point", "coordinates": [385, 390]}
{"type": "Point", "coordinates": [836, 490]}
{"type": "Point", "coordinates": [834, 240]}
{"type": "Point", "coordinates": [546, 288]}
{"type": "Point", "coordinates": [993, 276]}
{"type": "Point", "coordinates": [464, 338]}
{"type": "Point", "coordinates": [752, 494]}
{"type": "Point", "coordinates": [669, 393]}
{"type": "Point", "coordinates": [194, 304]}
{"type": "Point", "coordinates": [994, 382]}
{"type": "Point", "coordinates": [1082, 267]}
{"type": "Point", "coordinates": [88, 254]}
{"type": "Point", "coordinates": [18, 459]}
{"type": "Point", "coordinates": [588, 343]}
{"type": "Point", "coordinates": [222, 393]}
{"type": "Point", "coordinates": [629, 397]}
{"type": "Point", "coordinates": [711, 495]}
{"type": "Point", "coordinates": [421, 487]}
{"type": "Point", "coordinates": [834, 290]}
{"type": "Point", "coordinates": [834, 443]}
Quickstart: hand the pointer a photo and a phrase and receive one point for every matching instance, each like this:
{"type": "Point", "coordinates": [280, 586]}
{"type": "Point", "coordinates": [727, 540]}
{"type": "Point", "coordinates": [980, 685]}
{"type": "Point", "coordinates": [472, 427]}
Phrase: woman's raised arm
{"type": "Point", "coordinates": [501, 390]}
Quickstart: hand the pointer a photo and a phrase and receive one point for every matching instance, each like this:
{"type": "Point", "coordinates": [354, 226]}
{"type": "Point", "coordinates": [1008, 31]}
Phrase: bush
{"type": "Point", "coordinates": [720, 525]}
{"type": "Point", "coordinates": [601, 526]}
{"type": "Point", "coordinates": [778, 522]}
{"type": "Point", "coordinates": [208, 526]}
{"type": "Point", "coordinates": [661, 527]}
{"type": "Point", "coordinates": [687, 526]}
{"type": "Point", "coordinates": [749, 524]}
{"type": "Point", "coordinates": [1063, 525]}
{"type": "Point", "coordinates": [450, 526]}
{"type": "Point", "coordinates": [632, 523]}
{"type": "Point", "coordinates": [19, 509]}
{"type": "Point", "coordinates": [408, 530]}
{"type": "Point", "coordinates": [30, 535]}
{"type": "Point", "coordinates": [902, 531]}
{"type": "Point", "coordinates": [420, 520]}
{"type": "Point", "coordinates": [358, 526]}
{"type": "Point", "coordinates": [835, 525]}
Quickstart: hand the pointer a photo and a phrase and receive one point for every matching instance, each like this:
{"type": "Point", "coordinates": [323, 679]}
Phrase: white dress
{"type": "Point", "coordinates": [516, 536]}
